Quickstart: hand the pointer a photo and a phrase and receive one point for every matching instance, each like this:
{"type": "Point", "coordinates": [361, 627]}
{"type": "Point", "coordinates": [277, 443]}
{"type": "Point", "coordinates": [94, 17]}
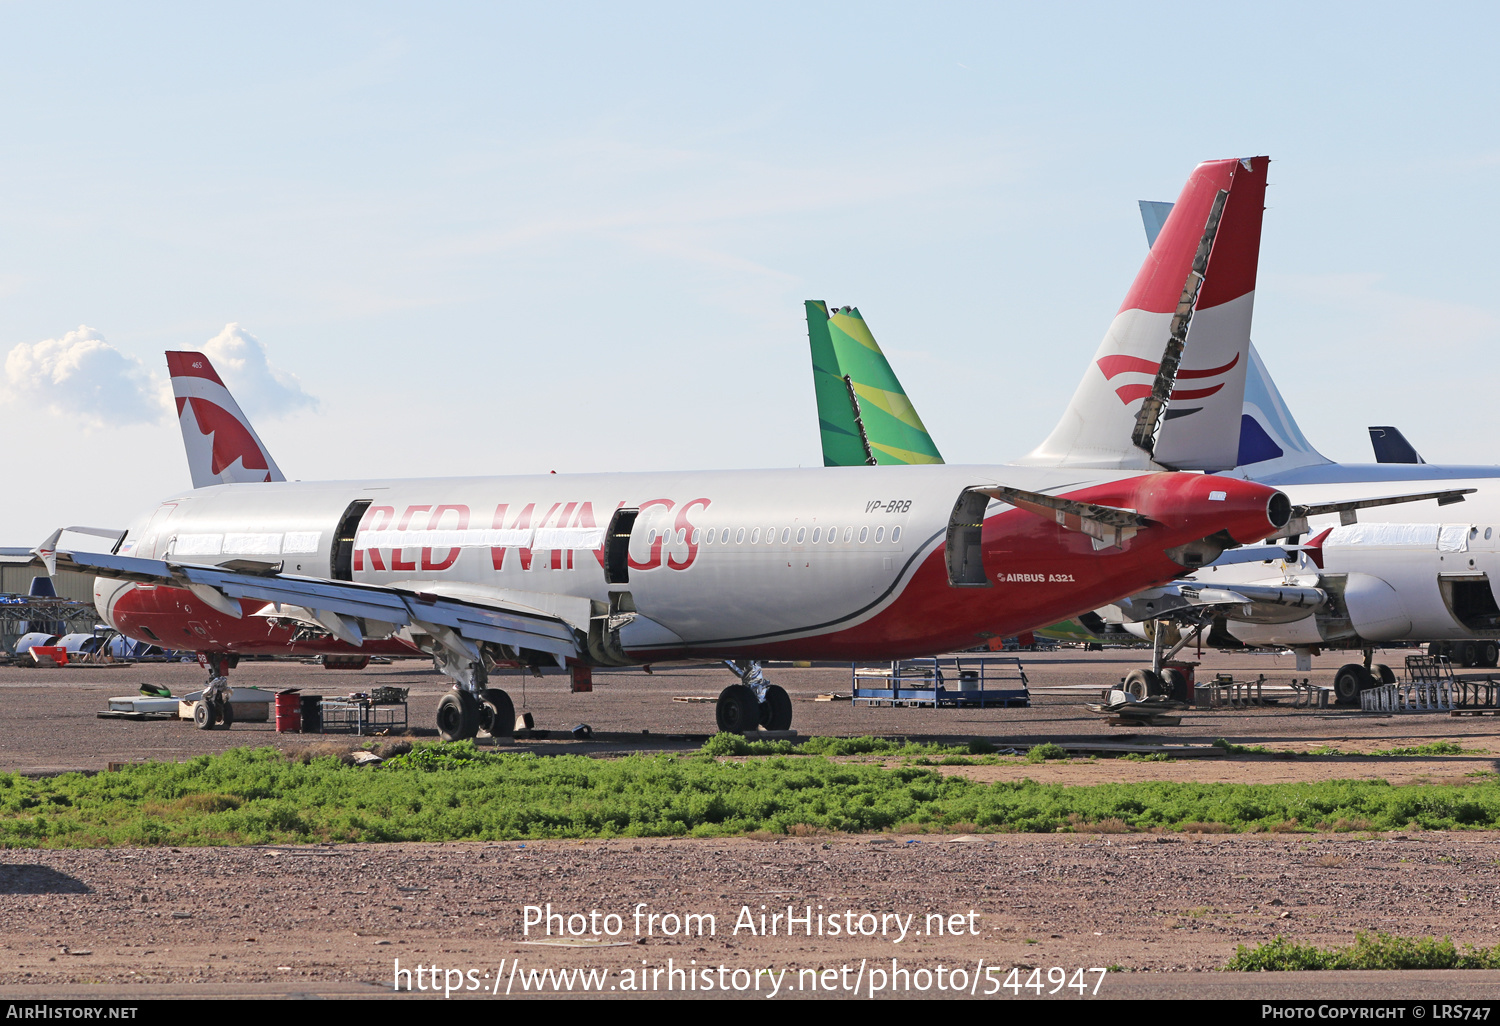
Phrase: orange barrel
{"type": "Point", "coordinates": [288, 712]}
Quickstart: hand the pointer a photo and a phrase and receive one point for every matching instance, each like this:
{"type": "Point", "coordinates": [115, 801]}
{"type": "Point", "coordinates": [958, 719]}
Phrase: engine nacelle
{"type": "Point", "coordinates": [1375, 609]}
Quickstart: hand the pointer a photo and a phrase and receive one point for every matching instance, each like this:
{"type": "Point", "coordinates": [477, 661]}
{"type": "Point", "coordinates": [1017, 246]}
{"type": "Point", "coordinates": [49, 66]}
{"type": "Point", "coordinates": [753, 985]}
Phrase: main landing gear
{"type": "Point", "coordinates": [753, 702]}
{"type": "Point", "coordinates": [471, 706]}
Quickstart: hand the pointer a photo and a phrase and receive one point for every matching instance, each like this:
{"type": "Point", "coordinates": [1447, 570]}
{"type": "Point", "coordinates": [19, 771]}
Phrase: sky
{"type": "Point", "coordinates": [437, 239]}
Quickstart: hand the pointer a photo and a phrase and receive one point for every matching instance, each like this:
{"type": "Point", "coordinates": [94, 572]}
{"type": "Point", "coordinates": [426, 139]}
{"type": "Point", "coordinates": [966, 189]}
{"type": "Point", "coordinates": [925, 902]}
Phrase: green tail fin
{"type": "Point", "coordinates": [863, 412]}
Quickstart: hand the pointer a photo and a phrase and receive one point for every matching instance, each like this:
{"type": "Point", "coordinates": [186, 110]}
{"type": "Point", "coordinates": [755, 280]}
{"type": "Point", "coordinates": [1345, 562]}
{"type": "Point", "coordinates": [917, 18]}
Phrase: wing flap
{"type": "Point", "coordinates": [336, 605]}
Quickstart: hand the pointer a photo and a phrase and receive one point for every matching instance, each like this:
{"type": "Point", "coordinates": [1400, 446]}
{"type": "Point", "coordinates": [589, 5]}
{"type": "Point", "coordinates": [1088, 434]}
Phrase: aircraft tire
{"type": "Point", "coordinates": [497, 713]}
{"type": "Point", "coordinates": [458, 716]}
{"type": "Point", "coordinates": [1489, 653]}
{"type": "Point", "coordinates": [776, 711]}
{"type": "Point", "coordinates": [1140, 684]}
{"type": "Point", "coordinates": [1384, 674]}
{"type": "Point", "coordinates": [1175, 684]}
{"type": "Point", "coordinates": [738, 709]}
{"type": "Point", "coordinates": [1351, 679]}
{"type": "Point", "coordinates": [203, 717]}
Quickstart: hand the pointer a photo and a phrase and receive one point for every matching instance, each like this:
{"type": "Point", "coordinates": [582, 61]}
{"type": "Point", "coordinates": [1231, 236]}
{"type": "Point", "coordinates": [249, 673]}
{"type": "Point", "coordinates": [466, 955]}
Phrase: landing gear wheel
{"type": "Point", "coordinates": [1383, 673]}
{"type": "Point", "coordinates": [776, 710]}
{"type": "Point", "coordinates": [1351, 679]}
{"type": "Point", "coordinates": [203, 716]}
{"type": "Point", "coordinates": [1175, 683]}
{"type": "Point", "coordinates": [458, 716]}
{"type": "Point", "coordinates": [1489, 653]}
{"type": "Point", "coordinates": [1464, 655]}
{"type": "Point", "coordinates": [497, 713]}
{"type": "Point", "coordinates": [738, 709]}
{"type": "Point", "coordinates": [1141, 684]}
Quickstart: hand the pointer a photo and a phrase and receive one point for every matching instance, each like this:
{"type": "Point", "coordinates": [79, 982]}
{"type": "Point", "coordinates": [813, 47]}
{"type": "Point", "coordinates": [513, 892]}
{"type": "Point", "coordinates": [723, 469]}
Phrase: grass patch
{"type": "Point", "coordinates": [443, 792]}
{"type": "Point", "coordinates": [1381, 951]}
{"type": "Point", "coordinates": [1041, 753]}
{"type": "Point", "coordinates": [1434, 748]}
{"type": "Point", "coordinates": [1234, 749]}
{"type": "Point", "coordinates": [721, 745]}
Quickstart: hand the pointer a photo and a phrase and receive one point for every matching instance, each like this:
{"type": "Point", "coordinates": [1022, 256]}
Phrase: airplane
{"type": "Point", "coordinates": [1385, 582]}
{"type": "Point", "coordinates": [619, 569]}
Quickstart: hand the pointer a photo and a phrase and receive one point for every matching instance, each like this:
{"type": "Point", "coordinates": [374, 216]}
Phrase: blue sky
{"type": "Point", "coordinates": [491, 239]}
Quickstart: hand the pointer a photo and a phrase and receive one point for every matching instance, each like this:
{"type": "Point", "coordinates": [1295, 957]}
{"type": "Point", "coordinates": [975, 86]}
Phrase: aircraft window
{"type": "Point", "coordinates": [651, 536]}
{"type": "Point", "coordinates": [771, 535]}
{"type": "Point", "coordinates": [833, 535]}
{"type": "Point", "coordinates": [786, 535]}
{"type": "Point", "coordinates": [801, 534]}
{"type": "Point", "coordinates": [864, 534]}
{"type": "Point", "coordinates": [739, 536]}
{"type": "Point", "coordinates": [817, 532]}
{"type": "Point", "coordinates": [879, 535]}
{"type": "Point", "coordinates": [895, 534]}
{"type": "Point", "coordinates": [708, 539]}
{"type": "Point", "coordinates": [848, 533]}
{"type": "Point", "coordinates": [1487, 531]}
{"type": "Point", "coordinates": [1473, 532]}
{"type": "Point", "coordinates": [681, 535]}
{"type": "Point", "coordinates": [754, 536]}
{"type": "Point", "coordinates": [724, 536]}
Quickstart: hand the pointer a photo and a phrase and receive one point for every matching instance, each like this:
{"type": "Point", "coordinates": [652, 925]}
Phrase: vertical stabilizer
{"type": "Point", "coordinates": [1391, 446]}
{"type": "Point", "coordinates": [1198, 279]}
{"type": "Point", "coordinates": [1153, 217]}
{"type": "Point", "coordinates": [221, 445]}
{"type": "Point", "coordinates": [1270, 440]}
{"type": "Point", "coordinates": [864, 416]}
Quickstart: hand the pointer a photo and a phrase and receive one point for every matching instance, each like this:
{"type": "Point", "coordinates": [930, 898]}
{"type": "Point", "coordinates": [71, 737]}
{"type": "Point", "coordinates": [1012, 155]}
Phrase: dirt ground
{"type": "Point", "coordinates": [286, 920]}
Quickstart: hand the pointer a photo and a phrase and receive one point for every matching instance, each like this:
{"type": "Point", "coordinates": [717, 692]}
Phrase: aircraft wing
{"type": "Point", "coordinates": [350, 611]}
{"type": "Point", "coordinates": [1348, 510]}
{"type": "Point", "coordinates": [1198, 598]}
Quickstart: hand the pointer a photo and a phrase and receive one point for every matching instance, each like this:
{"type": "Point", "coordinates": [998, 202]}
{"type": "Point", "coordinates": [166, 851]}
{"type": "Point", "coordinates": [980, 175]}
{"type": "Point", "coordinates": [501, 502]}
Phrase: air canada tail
{"type": "Point", "coordinates": [1151, 397]}
{"type": "Point", "coordinates": [222, 447]}
{"type": "Point", "coordinates": [864, 416]}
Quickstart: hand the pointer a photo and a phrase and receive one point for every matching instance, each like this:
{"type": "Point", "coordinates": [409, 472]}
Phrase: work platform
{"type": "Point", "coordinates": [954, 681]}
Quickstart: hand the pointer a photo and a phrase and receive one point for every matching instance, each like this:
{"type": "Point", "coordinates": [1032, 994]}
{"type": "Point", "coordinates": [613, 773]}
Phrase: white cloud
{"type": "Point", "coordinates": [83, 377]}
{"type": "Point", "coordinates": [241, 361]}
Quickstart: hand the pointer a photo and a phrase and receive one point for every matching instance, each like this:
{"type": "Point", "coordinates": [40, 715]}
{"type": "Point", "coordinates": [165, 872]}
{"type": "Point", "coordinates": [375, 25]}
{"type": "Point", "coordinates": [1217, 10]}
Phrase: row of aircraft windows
{"type": "Point", "coordinates": [721, 537]}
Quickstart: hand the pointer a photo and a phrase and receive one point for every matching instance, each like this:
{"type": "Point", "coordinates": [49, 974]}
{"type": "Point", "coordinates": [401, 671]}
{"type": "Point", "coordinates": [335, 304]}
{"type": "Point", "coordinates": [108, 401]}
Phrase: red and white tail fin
{"type": "Point", "coordinates": [222, 447]}
{"type": "Point", "coordinates": [1151, 396]}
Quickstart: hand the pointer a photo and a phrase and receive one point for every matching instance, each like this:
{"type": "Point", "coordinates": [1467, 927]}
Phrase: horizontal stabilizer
{"type": "Point", "coordinates": [1107, 525]}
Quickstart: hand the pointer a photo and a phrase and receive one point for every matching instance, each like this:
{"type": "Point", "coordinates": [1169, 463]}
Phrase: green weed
{"type": "Point", "coordinates": [457, 792]}
{"type": "Point", "coordinates": [1381, 951]}
{"type": "Point", "coordinates": [1041, 753]}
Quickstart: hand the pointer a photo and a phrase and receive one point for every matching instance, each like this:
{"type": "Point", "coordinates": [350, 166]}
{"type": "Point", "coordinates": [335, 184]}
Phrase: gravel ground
{"type": "Point", "coordinates": [129, 921]}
